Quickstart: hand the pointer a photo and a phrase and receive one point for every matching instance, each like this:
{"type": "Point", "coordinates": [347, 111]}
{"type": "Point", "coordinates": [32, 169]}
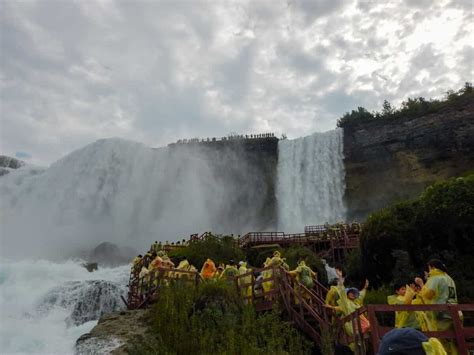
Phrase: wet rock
{"type": "Point", "coordinates": [9, 162]}
{"type": "Point", "coordinates": [109, 254]}
{"type": "Point", "coordinates": [114, 333]}
{"type": "Point", "coordinates": [87, 300]}
{"type": "Point", "coordinates": [91, 266]}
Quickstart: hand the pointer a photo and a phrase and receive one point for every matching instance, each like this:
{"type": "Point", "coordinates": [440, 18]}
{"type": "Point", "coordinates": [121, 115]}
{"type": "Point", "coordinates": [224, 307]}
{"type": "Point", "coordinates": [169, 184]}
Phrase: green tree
{"type": "Point", "coordinates": [440, 223]}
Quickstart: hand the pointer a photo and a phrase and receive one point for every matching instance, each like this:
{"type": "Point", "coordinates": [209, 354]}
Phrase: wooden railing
{"type": "Point", "coordinates": [306, 307]}
{"type": "Point", "coordinates": [463, 336]}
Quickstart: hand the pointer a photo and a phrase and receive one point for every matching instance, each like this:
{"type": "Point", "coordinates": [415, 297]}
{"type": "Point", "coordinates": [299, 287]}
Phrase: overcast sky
{"type": "Point", "coordinates": [76, 71]}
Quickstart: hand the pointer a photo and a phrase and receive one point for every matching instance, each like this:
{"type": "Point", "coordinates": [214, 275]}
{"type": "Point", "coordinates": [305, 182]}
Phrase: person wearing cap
{"type": "Point", "coordinates": [348, 304]}
{"type": "Point", "coordinates": [409, 341]}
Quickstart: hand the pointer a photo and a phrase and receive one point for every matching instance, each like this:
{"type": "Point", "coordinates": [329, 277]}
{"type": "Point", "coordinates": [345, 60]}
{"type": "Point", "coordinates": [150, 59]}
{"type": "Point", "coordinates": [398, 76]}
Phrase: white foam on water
{"type": "Point", "coordinates": [27, 326]}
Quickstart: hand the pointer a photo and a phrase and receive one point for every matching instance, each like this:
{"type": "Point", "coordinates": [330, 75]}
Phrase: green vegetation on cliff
{"type": "Point", "coordinates": [213, 320]}
{"type": "Point", "coordinates": [397, 241]}
{"type": "Point", "coordinates": [412, 107]}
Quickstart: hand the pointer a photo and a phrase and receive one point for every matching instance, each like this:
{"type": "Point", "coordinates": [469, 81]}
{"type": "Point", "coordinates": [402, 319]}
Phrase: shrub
{"type": "Point", "coordinates": [440, 223]}
{"type": "Point", "coordinates": [211, 320]}
{"type": "Point", "coordinates": [221, 249]}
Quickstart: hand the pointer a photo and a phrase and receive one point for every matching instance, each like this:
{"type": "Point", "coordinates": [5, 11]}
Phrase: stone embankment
{"type": "Point", "coordinates": [114, 334]}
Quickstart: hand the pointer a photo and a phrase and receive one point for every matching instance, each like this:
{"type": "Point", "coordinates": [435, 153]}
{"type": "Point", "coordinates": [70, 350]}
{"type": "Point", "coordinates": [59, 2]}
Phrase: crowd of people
{"type": "Point", "coordinates": [437, 288]}
{"type": "Point", "coordinates": [249, 281]}
{"type": "Point", "coordinates": [228, 138]}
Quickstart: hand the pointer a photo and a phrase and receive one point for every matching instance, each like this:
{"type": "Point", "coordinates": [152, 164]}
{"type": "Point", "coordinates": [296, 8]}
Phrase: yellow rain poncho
{"type": "Point", "coordinates": [403, 318]}
{"type": "Point", "coordinates": [440, 289]}
{"type": "Point", "coordinates": [184, 265]}
{"type": "Point", "coordinates": [304, 275]}
{"type": "Point", "coordinates": [267, 285]}
{"type": "Point", "coordinates": [246, 291]}
{"type": "Point", "coordinates": [433, 347]}
{"type": "Point", "coordinates": [155, 264]}
{"type": "Point", "coordinates": [346, 306]}
{"type": "Point", "coordinates": [208, 270]}
{"type": "Point", "coordinates": [332, 296]}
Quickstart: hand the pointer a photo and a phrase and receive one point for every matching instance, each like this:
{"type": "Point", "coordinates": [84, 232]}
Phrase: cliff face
{"type": "Point", "coordinates": [389, 161]}
{"type": "Point", "coordinates": [246, 170]}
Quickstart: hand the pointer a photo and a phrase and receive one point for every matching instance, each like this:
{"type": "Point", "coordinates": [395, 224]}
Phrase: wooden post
{"type": "Point", "coordinates": [458, 329]}
{"type": "Point", "coordinates": [374, 328]}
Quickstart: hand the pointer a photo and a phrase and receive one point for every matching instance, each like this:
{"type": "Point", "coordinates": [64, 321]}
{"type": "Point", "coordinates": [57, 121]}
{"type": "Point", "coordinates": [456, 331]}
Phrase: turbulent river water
{"type": "Point", "coordinates": [45, 306]}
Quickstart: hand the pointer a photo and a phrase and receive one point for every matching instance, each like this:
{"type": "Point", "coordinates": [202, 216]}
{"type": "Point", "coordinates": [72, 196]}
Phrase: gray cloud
{"type": "Point", "coordinates": [74, 72]}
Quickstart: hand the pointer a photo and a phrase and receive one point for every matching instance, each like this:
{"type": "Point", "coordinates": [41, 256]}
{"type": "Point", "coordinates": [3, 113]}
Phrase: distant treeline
{"type": "Point", "coordinates": [413, 107]}
{"type": "Point", "coordinates": [230, 137]}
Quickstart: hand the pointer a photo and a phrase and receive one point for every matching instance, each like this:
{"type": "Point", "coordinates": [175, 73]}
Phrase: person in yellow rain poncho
{"type": "Point", "coordinates": [439, 289]}
{"type": "Point", "coordinates": [230, 272]}
{"type": "Point", "coordinates": [405, 295]}
{"type": "Point", "coordinates": [245, 282]}
{"type": "Point", "coordinates": [136, 264]}
{"type": "Point", "coordinates": [347, 304]}
{"type": "Point", "coordinates": [304, 275]}
{"type": "Point", "coordinates": [402, 297]}
{"type": "Point", "coordinates": [275, 261]}
{"type": "Point", "coordinates": [333, 294]}
{"type": "Point", "coordinates": [360, 299]}
{"type": "Point", "coordinates": [208, 270]}
{"type": "Point", "coordinates": [184, 265]}
{"type": "Point", "coordinates": [156, 263]}
{"type": "Point", "coordinates": [409, 341]}
{"type": "Point", "coordinates": [144, 279]}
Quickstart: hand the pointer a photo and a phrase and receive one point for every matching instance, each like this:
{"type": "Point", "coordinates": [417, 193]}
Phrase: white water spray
{"type": "Point", "coordinates": [42, 304]}
{"type": "Point", "coordinates": [310, 186]}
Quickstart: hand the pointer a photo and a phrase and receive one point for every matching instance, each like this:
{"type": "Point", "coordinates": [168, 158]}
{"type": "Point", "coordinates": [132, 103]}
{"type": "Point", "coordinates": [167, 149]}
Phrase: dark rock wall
{"type": "Point", "coordinates": [389, 161]}
{"type": "Point", "coordinates": [247, 170]}
{"type": "Point", "coordinates": [7, 162]}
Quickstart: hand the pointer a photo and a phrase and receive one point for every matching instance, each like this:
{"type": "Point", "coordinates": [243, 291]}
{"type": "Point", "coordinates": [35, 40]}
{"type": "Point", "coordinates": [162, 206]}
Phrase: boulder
{"type": "Point", "coordinates": [109, 254]}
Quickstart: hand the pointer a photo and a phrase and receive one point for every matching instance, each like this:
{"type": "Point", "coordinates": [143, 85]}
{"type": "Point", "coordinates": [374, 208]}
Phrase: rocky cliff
{"type": "Point", "coordinates": [247, 169]}
{"type": "Point", "coordinates": [386, 161]}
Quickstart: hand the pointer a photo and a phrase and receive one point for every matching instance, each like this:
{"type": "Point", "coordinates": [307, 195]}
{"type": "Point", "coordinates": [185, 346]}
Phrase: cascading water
{"type": "Point", "coordinates": [124, 192]}
{"type": "Point", "coordinates": [310, 186]}
{"type": "Point", "coordinates": [46, 306]}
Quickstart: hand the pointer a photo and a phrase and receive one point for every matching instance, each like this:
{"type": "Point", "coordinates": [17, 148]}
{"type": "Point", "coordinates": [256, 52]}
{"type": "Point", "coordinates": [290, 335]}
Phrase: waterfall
{"type": "Point", "coordinates": [129, 194]}
{"type": "Point", "coordinates": [310, 184]}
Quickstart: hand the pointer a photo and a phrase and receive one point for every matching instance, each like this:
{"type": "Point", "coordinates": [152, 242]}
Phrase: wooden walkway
{"type": "Point", "coordinates": [326, 241]}
{"type": "Point", "coordinates": [305, 307]}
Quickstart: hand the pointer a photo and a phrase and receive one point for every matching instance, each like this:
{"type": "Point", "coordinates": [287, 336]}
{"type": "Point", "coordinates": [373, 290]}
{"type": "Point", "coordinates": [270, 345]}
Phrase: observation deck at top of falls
{"type": "Point", "coordinates": [230, 138]}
